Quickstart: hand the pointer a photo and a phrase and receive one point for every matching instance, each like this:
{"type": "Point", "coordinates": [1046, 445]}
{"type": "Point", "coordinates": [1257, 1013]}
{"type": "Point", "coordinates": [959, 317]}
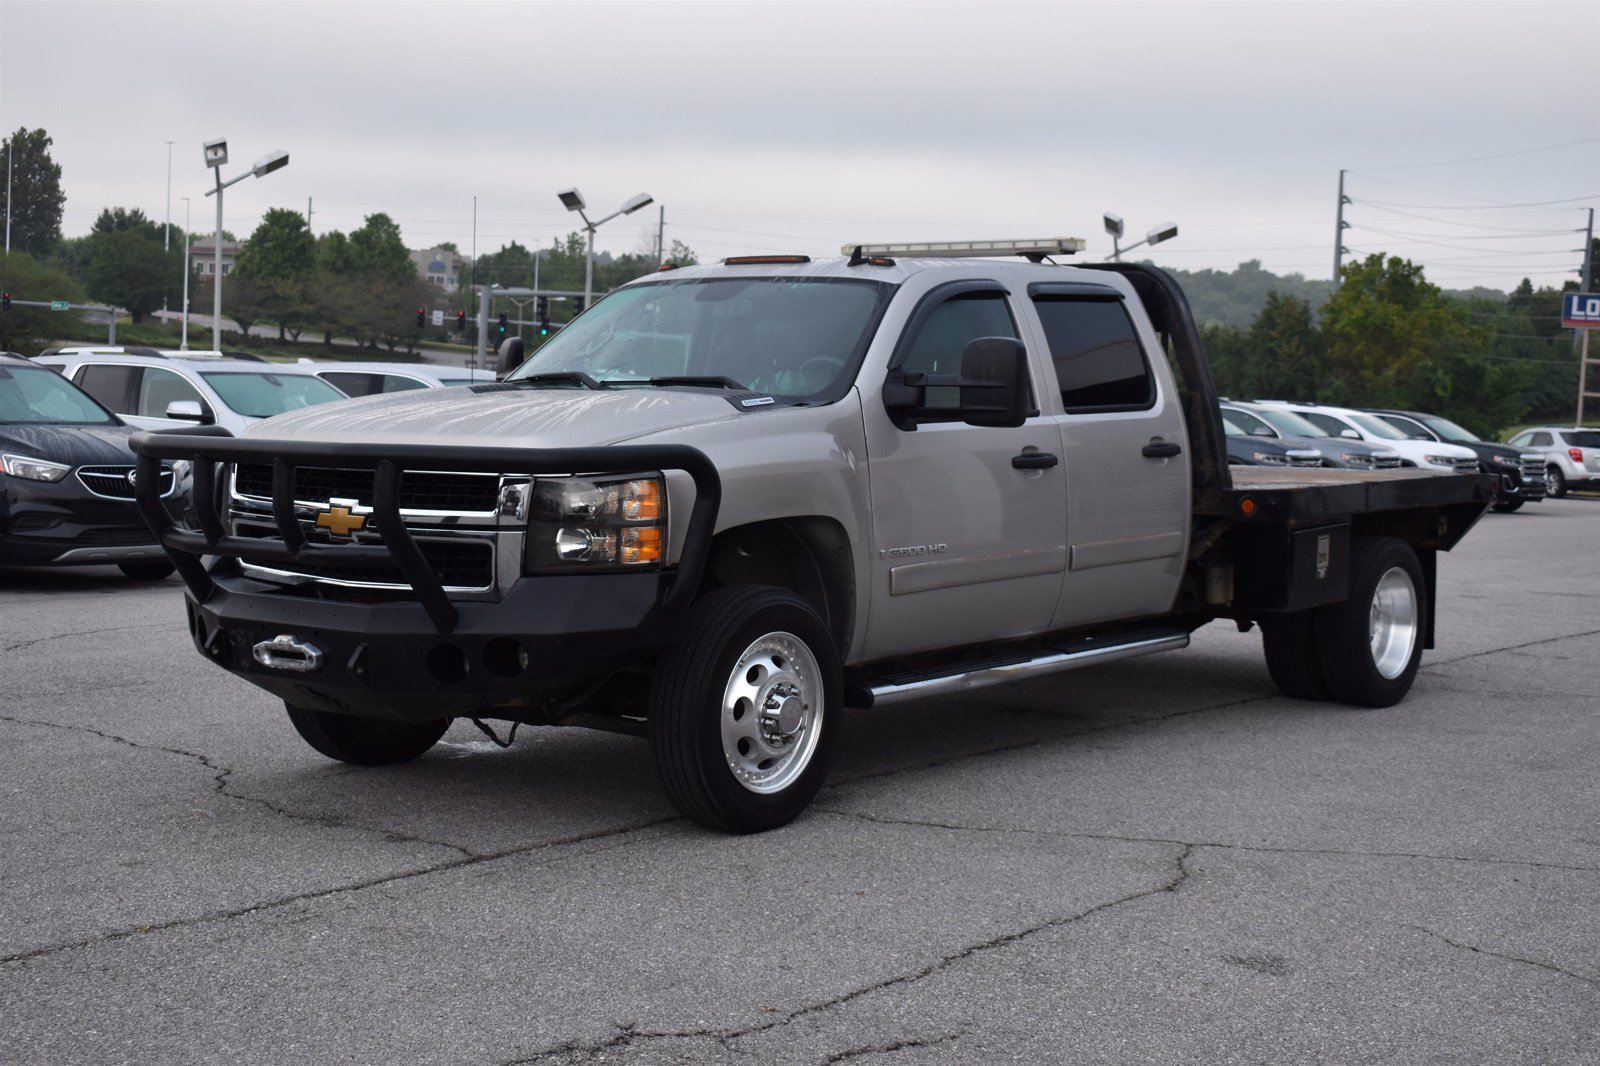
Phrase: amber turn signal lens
{"type": "Point", "coordinates": [1247, 506]}
{"type": "Point", "coordinates": [642, 545]}
{"type": "Point", "coordinates": [641, 501]}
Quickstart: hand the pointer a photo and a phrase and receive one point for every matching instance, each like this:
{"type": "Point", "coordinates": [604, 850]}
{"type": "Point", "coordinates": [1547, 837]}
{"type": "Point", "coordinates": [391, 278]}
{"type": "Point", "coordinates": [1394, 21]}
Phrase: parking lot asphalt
{"type": "Point", "coordinates": [1153, 861]}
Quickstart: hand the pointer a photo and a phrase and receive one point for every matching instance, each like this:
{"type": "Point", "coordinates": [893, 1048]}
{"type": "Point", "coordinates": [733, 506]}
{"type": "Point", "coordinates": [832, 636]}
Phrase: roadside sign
{"type": "Point", "coordinates": [1580, 310]}
{"type": "Point", "coordinates": [438, 318]}
{"type": "Point", "coordinates": [60, 305]}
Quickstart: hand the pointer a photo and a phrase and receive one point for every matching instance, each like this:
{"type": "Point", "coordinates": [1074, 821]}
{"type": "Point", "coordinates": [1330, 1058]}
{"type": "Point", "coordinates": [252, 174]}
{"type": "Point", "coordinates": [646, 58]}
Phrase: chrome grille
{"type": "Point", "coordinates": [419, 490]}
{"type": "Point", "coordinates": [1533, 468]}
{"type": "Point", "coordinates": [1467, 466]}
{"type": "Point", "coordinates": [115, 483]}
{"type": "Point", "coordinates": [1386, 462]}
{"type": "Point", "coordinates": [1305, 459]}
{"type": "Point", "coordinates": [458, 562]}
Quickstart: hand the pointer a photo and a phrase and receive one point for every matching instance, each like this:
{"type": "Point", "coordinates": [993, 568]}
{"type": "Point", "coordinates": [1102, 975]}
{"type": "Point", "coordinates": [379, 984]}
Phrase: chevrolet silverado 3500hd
{"type": "Point", "coordinates": [728, 502]}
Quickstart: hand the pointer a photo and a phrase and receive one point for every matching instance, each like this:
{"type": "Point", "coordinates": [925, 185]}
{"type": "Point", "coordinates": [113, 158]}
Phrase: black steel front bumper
{"type": "Point", "coordinates": [421, 654]}
{"type": "Point", "coordinates": [59, 523]}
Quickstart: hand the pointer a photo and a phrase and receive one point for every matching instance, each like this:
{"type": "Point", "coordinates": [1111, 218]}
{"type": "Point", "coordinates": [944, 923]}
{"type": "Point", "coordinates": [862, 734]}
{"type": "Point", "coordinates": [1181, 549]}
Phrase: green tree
{"type": "Point", "coordinates": [1283, 351]}
{"type": "Point", "coordinates": [24, 329]}
{"type": "Point", "coordinates": [36, 198]}
{"type": "Point", "coordinates": [280, 248]}
{"type": "Point", "coordinates": [127, 268]}
{"type": "Point", "coordinates": [376, 248]}
{"type": "Point", "coordinates": [125, 220]}
{"type": "Point", "coordinates": [334, 254]}
{"type": "Point", "coordinates": [1384, 326]}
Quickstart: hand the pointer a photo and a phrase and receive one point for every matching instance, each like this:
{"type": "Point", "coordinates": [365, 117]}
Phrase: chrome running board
{"type": "Point", "coordinates": [897, 689]}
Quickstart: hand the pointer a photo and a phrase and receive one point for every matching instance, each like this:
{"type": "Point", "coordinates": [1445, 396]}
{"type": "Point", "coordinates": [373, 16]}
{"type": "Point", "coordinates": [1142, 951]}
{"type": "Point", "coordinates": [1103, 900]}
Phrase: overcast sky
{"type": "Point", "coordinates": [799, 126]}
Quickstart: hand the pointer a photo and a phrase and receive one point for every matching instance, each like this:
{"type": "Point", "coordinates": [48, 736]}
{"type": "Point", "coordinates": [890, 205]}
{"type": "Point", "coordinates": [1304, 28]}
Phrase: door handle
{"type": "Point", "coordinates": [1034, 461]}
{"type": "Point", "coordinates": [1161, 449]}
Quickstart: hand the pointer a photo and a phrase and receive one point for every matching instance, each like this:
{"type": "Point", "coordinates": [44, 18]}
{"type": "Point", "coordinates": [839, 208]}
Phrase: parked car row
{"type": "Point", "coordinates": [1537, 462]}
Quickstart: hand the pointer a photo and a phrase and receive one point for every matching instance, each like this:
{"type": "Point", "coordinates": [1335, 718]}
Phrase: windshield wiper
{"type": "Point", "coordinates": [710, 381]}
{"type": "Point", "coordinates": [558, 377]}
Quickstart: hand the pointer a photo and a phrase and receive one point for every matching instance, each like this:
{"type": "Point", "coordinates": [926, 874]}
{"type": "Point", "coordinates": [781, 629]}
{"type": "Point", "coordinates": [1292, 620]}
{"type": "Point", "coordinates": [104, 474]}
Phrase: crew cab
{"type": "Point", "coordinates": [730, 501]}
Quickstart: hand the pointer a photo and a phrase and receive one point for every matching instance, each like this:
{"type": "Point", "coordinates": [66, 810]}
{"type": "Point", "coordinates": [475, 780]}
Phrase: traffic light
{"type": "Point", "coordinates": [420, 317]}
{"type": "Point", "coordinates": [461, 320]}
{"type": "Point", "coordinates": [577, 306]}
{"type": "Point", "coordinates": [5, 301]}
{"type": "Point", "coordinates": [502, 321]}
{"type": "Point", "coordinates": [544, 307]}
{"type": "Point", "coordinates": [544, 323]}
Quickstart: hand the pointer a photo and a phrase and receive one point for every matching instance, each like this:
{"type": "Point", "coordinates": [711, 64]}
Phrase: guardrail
{"type": "Point", "coordinates": [207, 446]}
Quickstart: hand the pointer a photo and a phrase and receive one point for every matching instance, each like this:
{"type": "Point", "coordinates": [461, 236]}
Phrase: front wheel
{"type": "Point", "coordinates": [745, 709]}
{"type": "Point", "coordinates": [1370, 645]}
{"type": "Point", "coordinates": [365, 741]}
{"type": "Point", "coordinates": [1555, 482]}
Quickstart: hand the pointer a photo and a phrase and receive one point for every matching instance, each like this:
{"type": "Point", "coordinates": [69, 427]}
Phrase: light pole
{"type": "Point", "coordinates": [183, 345]}
{"type": "Point", "coordinates": [1164, 232]}
{"type": "Point", "coordinates": [166, 231]}
{"type": "Point", "coordinates": [216, 157]}
{"type": "Point", "coordinates": [573, 201]}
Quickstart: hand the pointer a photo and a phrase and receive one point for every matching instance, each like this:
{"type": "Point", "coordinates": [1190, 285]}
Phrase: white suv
{"type": "Point", "coordinates": [164, 389]}
{"type": "Point", "coordinates": [367, 379]}
{"type": "Point", "coordinates": [1571, 456]}
{"type": "Point", "coordinates": [1357, 425]}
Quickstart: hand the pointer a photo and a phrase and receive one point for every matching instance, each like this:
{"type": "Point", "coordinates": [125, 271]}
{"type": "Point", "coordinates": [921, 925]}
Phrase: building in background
{"type": "Point", "coordinates": [439, 266]}
{"type": "Point", "coordinates": [203, 257]}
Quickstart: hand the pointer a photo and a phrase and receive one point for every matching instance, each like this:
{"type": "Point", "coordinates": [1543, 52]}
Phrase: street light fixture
{"type": "Point", "coordinates": [572, 200]}
{"type": "Point", "coordinates": [1164, 232]}
{"type": "Point", "coordinates": [216, 156]}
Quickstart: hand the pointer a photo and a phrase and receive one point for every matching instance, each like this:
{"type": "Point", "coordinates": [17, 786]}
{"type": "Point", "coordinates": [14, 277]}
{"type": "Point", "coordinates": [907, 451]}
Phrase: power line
{"type": "Point", "coordinates": [1485, 207]}
{"type": "Point", "coordinates": [1467, 225]}
{"type": "Point", "coordinates": [1482, 158]}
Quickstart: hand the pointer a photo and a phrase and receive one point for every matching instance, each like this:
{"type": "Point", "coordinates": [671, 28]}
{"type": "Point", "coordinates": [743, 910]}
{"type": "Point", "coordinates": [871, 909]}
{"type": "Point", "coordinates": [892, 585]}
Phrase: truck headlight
{"type": "Point", "coordinates": [610, 523]}
{"type": "Point", "coordinates": [1441, 460]}
{"type": "Point", "coordinates": [33, 469]}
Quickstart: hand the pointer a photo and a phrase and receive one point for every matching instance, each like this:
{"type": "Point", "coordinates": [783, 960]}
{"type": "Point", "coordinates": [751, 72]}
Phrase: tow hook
{"type": "Point", "coordinates": [285, 652]}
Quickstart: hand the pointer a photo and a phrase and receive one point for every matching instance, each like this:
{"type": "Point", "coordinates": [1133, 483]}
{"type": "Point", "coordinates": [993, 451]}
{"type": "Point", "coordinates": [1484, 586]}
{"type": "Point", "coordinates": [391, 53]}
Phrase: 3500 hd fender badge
{"type": "Point", "coordinates": [915, 549]}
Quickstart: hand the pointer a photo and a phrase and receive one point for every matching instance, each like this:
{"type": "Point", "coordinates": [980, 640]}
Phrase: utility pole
{"type": "Point", "coordinates": [661, 236]}
{"type": "Point", "coordinates": [1588, 255]}
{"type": "Point", "coordinates": [166, 229]}
{"type": "Point", "coordinates": [1340, 225]}
{"type": "Point", "coordinates": [183, 345]}
{"type": "Point", "coordinates": [10, 149]}
{"type": "Point", "coordinates": [308, 217]}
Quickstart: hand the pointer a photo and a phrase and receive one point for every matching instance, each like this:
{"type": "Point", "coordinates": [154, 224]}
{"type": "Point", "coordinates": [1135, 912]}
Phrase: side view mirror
{"type": "Point", "coordinates": [991, 390]}
{"type": "Point", "coordinates": [189, 411]}
{"type": "Point", "coordinates": [511, 355]}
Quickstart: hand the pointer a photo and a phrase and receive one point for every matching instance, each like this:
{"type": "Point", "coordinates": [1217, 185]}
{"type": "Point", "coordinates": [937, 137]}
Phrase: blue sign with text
{"type": "Point", "coordinates": [1580, 310]}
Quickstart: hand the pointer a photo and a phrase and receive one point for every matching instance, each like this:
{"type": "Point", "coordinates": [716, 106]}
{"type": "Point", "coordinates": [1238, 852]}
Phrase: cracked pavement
{"type": "Point", "coordinates": [1153, 861]}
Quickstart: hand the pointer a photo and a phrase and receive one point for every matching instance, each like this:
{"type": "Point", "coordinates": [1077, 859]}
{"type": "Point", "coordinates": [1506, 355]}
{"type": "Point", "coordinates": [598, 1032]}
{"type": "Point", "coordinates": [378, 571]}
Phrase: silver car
{"type": "Point", "coordinates": [1571, 456]}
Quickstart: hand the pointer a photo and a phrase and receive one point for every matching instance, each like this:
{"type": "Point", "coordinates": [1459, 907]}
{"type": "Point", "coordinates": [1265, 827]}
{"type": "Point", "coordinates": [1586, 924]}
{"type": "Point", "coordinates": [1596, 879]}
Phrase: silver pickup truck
{"type": "Point", "coordinates": [729, 502]}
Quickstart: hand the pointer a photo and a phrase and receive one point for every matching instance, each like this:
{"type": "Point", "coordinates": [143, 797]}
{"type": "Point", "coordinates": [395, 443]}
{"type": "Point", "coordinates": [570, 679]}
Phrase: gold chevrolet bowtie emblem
{"type": "Point", "coordinates": [340, 522]}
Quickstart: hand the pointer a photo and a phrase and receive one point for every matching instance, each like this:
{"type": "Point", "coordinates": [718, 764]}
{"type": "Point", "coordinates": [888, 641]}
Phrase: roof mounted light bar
{"type": "Point", "coordinates": [1032, 249]}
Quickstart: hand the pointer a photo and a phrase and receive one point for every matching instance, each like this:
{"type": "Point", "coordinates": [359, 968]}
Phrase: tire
{"type": "Point", "coordinates": [1509, 506]}
{"type": "Point", "coordinates": [1370, 645]}
{"type": "Point", "coordinates": [365, 741]}
{"type": "Point", "coordinates": [147, 569]}
{"type": "Point", "coordinates": [745, 710]}
{"type": "Point", "coordinates": [1290, 641]}
{"type": "Point", "coordinates": [1555, 482]}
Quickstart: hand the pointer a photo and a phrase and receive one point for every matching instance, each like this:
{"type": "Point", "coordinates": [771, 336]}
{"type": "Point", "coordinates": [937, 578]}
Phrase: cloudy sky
{"type": "Point", "coordinates": [1472, 131]}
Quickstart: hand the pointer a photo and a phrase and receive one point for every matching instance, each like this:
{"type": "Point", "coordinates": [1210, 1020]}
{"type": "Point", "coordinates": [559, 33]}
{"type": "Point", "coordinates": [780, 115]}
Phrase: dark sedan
{"type": "Point", "coordinates": [66, 479]}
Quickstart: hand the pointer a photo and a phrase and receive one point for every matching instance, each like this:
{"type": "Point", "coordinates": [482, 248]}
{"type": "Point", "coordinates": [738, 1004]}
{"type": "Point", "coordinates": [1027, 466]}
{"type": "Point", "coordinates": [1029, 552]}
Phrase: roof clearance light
{"type": "Point", "coordinates": [967, 249]}
{"type": "Point", "coordinates": [746, 260]}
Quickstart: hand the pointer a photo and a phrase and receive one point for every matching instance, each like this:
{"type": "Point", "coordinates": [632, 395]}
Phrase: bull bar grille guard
{"type": "Point", "coordinates": [206, 446]}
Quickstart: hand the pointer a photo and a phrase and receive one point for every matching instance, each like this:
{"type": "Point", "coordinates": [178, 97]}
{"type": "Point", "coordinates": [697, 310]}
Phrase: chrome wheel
{"type": "Point", "coordinates": [1393, 622]}
{"type": "Point", "coordinates": [771, 713]}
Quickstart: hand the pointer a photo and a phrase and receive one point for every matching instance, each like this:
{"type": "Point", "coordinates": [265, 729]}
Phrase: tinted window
{"type": "Point", "coordinates": [1329, 425]}
{"type": "Point", "coordinates": [354, 384]}
{"type": "Point", "coordinates": [108, 384]}
{"type": "Point", "coordinates": [396, 383]}
{"type": "Point", "coordinates": [952, 326]}
{"type": "Point", "coordinates": [264, 395]}
{"type": "Point", "coordinates": [158, 387]}
{"type": "Point", "coordinates": [1587, 438]}
{"type": "Point", "coordinates": [1099, 364]}
{"type": "Point", "coordinates": [1244, 424]}
{"type": "Point", "coordinates": [29, 394]}
{"type": "Point", "coordinates": [1407, 427]}
{"type": "Point", "coordinates": [1541, 440]}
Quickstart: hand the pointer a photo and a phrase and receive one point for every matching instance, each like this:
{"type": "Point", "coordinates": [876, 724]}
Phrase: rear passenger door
{"type": "Point", "coordinates": [1125, 451]}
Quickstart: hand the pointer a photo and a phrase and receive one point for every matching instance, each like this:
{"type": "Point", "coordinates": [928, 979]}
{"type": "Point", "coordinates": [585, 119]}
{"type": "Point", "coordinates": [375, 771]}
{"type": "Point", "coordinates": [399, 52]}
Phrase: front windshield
{"type": "Point", "coordinates": [1450, 431]}
{"type": "Point", "coordinates": [1377, 427]}
{"type": "Point", "coordinates": [795, 338]}
{"type": "Point", "coordinates": [1244, 424]}
{"type": "Point", "coordinates": [1292, 424]}
{"type": "Point", "coordinates": [37, 395]}
{"type": "Point", "coordinates": [263, 394]}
